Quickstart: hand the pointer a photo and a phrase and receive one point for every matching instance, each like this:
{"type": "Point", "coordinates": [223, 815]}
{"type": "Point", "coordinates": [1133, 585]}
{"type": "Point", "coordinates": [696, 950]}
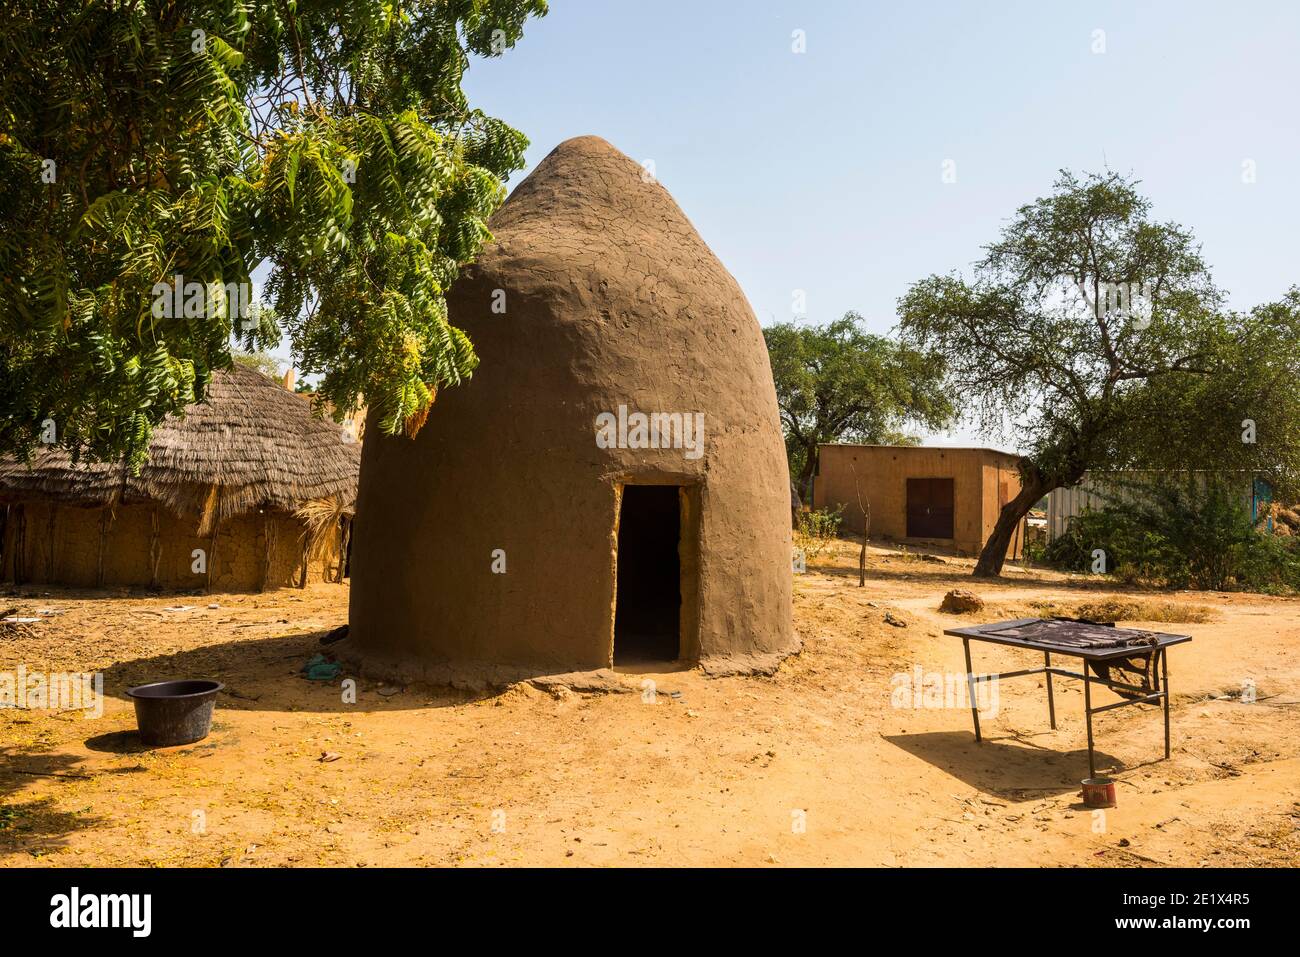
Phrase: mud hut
{"type": "Point", "coordinates": [611, 487]}
{"type": "Point", "coordinates": [246, 491]}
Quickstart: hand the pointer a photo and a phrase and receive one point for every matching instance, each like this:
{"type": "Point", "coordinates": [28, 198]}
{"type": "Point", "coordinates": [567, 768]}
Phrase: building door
{"type": "Point", "coordinates": [648, 594]}
{"type": "Point", "coordinates": [929, 508]}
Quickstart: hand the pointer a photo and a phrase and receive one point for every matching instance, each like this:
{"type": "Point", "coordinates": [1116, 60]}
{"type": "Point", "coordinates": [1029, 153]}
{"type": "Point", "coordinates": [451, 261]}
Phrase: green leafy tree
{"type": "Point", "coordinates": [837, 383]}
{"type": "Point", "coordinates": [260, 361]}
{"type": "Point", "coordinates": [147, 144]}
{"type": "Point", "coordinates": [1180, 530]}
{"type": "Point", "coordinates": [1095, 334]}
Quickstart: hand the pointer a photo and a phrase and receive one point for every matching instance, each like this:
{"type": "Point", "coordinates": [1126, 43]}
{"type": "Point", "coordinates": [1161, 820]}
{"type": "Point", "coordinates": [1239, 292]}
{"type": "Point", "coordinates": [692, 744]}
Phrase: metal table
{"type": "Point", "coordinates": [991, 633]}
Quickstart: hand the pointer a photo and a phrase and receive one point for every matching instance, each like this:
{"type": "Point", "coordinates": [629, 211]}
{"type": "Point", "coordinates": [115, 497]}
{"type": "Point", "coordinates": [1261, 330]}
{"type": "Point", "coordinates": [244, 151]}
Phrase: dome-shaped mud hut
{"type": "Point", "coordinates": [611, 487]}
{"type": "Point", "coordinates": [248, 490]}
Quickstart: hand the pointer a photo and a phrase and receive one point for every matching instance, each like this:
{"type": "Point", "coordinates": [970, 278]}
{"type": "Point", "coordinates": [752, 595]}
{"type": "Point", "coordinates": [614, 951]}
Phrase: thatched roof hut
{"type": "Point", "coordinates": [249, 477]}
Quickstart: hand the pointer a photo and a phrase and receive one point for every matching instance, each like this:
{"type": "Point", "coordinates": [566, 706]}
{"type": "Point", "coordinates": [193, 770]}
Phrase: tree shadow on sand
{"type": "Point", "coordinates": [265, 674]}
{"type": "Point", "coordinates": [36, 823]}
{"type": "Point", "coordinates": [938, 575]}
{"type": "Point", "coordinates": [1006, 767]}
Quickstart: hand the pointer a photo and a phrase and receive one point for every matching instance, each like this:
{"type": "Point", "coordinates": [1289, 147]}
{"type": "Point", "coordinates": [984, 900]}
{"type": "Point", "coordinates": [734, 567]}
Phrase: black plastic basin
{"type": "Point", "coordinates": [174, 712]}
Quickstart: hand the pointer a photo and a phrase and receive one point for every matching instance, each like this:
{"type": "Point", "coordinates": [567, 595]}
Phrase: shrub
{"type": "Point", "coordinates": [1186, 533]}
{"type": "Point", "coordinates": [816, 529]}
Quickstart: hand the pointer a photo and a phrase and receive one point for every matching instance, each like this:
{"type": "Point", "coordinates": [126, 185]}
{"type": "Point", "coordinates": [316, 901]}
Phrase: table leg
{"type": "Point", "coordinates": [1087, 710]}
{"type": "Point", "coordinates": [970, 687]}
{"type": "Point", "coordinates": [1051, 703]}
{"type": "Point", "coordinates": [1164, 680]}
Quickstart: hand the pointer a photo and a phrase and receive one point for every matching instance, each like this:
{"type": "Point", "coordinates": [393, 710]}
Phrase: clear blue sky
{"type": "Point", "coordinates": [821, 170]}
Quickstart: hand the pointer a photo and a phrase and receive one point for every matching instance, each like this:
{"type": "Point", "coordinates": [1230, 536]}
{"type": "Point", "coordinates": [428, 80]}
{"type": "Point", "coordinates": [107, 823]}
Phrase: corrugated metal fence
{"type": "Point", "coordinates": [1096, 492]}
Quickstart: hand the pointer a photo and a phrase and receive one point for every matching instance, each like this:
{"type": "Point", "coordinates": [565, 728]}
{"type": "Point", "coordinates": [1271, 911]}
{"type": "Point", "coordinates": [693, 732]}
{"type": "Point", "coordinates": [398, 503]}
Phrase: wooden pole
{"type": "Point", "coordinates": [345, 537]}
{"type": "Point", "coordinates": [49, 542]}
{"type": "Point", "coordinates": [212, 548]}
{"type": "Point", "coordinates": [155, 547]}
{"type": "Point", "coordinates": [20, 543]}
{"type": "Point", "coordinates": [269, 530]}
{"type": "Point", "coordinates": [105, 517]}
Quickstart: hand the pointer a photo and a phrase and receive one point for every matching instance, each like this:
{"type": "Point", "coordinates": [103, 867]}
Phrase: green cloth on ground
{"type": "Point", "coordinates": [320, 668]}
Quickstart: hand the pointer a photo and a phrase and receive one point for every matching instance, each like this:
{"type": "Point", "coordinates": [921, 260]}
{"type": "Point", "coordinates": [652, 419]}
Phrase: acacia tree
{"type": "Point", "coordinates": [151, 144]}
{"type": "Point", "coordinates": [263, 362]}
{"type": "Point", "coordinates": [1097, 335]}
{"type": "Point", "coordinates": [837, 383]}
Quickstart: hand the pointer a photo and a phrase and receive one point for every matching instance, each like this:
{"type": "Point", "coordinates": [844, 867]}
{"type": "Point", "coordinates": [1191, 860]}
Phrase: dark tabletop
{"type": "Point", "coordinates": [988, 632]}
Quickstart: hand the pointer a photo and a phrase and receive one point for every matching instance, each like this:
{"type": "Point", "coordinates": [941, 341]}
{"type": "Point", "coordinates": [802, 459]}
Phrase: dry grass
{"type": "Point", "coordinates": [321, 517]}
{"type": "Point", "coordinates": [1115, 609]}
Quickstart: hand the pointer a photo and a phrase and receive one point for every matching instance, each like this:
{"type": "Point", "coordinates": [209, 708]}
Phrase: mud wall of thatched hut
{"type": "Point", "coordinates": [49, 543]}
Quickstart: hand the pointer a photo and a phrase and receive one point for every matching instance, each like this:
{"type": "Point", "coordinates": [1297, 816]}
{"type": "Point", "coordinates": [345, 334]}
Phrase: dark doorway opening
{"type": "Point", "coordinates": [648, 593]}
{"type": "Point", "coordinates": [929, 508]}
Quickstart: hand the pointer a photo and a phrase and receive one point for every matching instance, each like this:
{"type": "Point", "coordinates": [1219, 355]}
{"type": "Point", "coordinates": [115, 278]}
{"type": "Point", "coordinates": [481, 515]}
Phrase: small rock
{"type": "Point", "coordinates": [892, 619]}
{"type": "Point", "coordinates": [959, 601]}
{"type": "Point", "coordinates": [326, 756]}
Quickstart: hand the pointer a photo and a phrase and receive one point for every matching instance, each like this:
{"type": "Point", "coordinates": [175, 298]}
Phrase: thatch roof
{"type": "Point", "coordinates": [250, 444]}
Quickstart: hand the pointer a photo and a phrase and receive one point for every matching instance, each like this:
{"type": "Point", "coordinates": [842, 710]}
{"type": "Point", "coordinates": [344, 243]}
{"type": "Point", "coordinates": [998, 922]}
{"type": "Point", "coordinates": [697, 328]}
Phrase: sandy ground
{"type": "Point", "coordinates": [812, 766]}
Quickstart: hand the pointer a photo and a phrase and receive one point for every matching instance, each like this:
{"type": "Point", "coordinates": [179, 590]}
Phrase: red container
{"type": "Point", "coordinates": [1098, 792]}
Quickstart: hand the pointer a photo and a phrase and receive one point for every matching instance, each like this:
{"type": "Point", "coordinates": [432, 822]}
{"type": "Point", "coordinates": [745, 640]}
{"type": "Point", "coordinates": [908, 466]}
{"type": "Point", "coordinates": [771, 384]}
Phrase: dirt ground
{"type": "Point", "coordinates": [812, 766]}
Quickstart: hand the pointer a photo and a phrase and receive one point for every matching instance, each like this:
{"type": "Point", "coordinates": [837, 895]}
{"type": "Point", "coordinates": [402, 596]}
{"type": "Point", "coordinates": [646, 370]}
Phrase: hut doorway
{"type": "Point", "coordinates": [648, 586]}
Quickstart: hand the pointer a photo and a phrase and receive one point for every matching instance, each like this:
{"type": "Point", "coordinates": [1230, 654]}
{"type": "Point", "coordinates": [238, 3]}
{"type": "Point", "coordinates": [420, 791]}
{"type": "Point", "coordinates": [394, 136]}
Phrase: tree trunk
{"type": "Point", "coordinates": [1009, 519]}
{"type": "Point", "coordinates": [862, 563]}
{"type": "Point", "coordinates": [806, 475]}
{"type": "Point", "coordinates": [865, 508]}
